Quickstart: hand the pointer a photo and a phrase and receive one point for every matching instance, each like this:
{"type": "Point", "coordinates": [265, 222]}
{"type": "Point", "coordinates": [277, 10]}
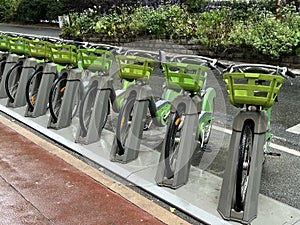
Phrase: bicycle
{"type": "Point", "coordinates": [100, 96]}
{"type": "Point", "coordinates": [191, 116]}
{"type": "Point", "coordinates": [253, 89]}
{"type": "Point", "coordinates": [17, 76]}
{"type": "Point", "coordinates": [137, 67]}
{"type": "Point", "coordinates": [38, 84]}
{"type": "Point", "coordinates": [67, 89]}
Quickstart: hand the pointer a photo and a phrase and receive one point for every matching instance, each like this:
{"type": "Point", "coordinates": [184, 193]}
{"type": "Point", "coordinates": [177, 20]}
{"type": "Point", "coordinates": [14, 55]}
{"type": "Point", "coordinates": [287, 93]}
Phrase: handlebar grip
{"type": "Point", "coordinates": [290, 74]}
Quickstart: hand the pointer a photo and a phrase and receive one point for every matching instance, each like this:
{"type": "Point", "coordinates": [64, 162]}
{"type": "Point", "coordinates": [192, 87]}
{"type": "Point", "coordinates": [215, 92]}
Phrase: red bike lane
{"type": "Point", "coordinates": [37, 187]}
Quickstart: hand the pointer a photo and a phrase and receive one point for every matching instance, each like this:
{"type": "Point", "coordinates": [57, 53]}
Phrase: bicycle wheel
{"type": "Point", "coordinates": [243, 167]}
{"type": "Point", "coordinates": [172, 144]}
{"type": "Point", "coordinates": [32, 87]}
{"type": "Point", "coordinates": [86, 109]}
{"type": "Point", "coordinates": [124, 123]}
{"type": "Point", "coordinates": [12, 81]}
{"type": "Point", "coordinates": [56, 96]}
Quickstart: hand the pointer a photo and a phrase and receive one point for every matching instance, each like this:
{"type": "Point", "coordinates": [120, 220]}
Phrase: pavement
{"type": "Point", "coordinates": [42, 184]}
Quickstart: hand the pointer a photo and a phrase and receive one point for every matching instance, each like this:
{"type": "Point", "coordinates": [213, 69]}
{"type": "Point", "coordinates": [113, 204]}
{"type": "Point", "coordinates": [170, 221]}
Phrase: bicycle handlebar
{"type": "Point", "coordinates": [262, 68]}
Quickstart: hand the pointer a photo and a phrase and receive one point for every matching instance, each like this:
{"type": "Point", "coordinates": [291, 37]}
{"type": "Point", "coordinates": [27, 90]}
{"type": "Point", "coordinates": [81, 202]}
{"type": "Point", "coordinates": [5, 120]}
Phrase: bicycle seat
{"type": "Point", "coordinates": [189, 77]}
{"type": "Point", "coordinates": [248, 88]}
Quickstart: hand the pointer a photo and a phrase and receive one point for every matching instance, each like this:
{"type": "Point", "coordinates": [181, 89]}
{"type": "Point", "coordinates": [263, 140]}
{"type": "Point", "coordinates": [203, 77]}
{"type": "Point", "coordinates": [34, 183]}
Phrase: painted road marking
{"type": "Point", "coordinates": [295, 129]}
{"type": "Point", "coordinates": [278, 147]}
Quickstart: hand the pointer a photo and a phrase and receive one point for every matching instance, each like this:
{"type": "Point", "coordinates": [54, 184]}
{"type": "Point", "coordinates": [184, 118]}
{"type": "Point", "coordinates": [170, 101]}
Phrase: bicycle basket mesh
{"type": "Point", "coordinates": [39, 49]}
{"type": "Point", "coordinates": [252, 88]}
{"type": "Point", "coordinates": [4, 42]}
{"type": "Point", "coordinates": [64, 54]}
{"type": "Point", "coordinates": [18, 46]}
{"type": "Point", "coordinates": [189, 77]}
{"type": "Point", "coordinates": [95, 59]}
{"type": "Point", "coordinates": [134, 67]}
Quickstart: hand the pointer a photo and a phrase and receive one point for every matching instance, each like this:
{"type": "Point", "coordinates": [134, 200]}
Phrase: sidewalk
{"type": "Point", "coordinates": [42, 184]}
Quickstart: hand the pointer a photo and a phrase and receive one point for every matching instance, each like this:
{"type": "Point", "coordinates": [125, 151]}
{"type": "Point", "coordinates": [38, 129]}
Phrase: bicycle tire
{"type": "Point", "coordinates": [86, 109]}
{"type": "Point", "coordinates": [243, 167]}
{"type": "Point", "coordinates": [30, 98]}
{"type": "Point", "coordinates": [9, 89]}
{"type": "Point", "coordinates": [123, 124]}
{"type": "Point", "coordinates": [58, 86]}
{"type": "Point", "coordinates": [172, 145]}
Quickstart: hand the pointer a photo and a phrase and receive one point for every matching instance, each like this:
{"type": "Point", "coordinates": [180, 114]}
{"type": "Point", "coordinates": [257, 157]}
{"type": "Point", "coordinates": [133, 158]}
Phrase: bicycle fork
{"type": "Point", "coordinates": [227, 200]}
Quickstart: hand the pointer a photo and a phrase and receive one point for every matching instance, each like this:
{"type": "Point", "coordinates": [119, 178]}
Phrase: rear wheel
{"type": "Point", "coordinates": [172, 144]}
{"type": "Point", "coordinates": [124, 124]}
{"type": "Point", "coordinates": [243, 168]}
{"type": "Point", "coordinates": [12, 81]}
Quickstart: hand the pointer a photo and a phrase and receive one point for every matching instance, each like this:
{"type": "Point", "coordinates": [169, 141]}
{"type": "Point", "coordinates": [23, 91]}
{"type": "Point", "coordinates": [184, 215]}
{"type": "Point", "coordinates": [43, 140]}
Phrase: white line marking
{"type": "Point", "coordinates": [276, 146]}
{"type": "Point", "coordinates": [295, 129]}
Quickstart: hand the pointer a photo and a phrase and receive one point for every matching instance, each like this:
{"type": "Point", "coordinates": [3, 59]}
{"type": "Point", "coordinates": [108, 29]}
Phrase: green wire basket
{"type": "Point", "coordinates": [63, 54]}
{"type": "Point", "coordinates": [95, 59]}
{"type": "Point", "coordinates": [134, 67]}
{"type": "Point", "coordinates": [189, 77]}
{"type": "Point", "coordinates": [252, 89]}
{"type": "Point", "coordinates": [18, 46]}
{"type": "Point", "coordinates": [4, 42]}
{"type": "Point", "coordinates": [39, 49]}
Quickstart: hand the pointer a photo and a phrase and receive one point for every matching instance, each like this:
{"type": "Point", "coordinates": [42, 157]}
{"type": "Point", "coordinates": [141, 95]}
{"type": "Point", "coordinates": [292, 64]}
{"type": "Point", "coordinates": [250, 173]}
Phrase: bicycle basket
{"type": "Point", "coordinates": [4, 42]}
{"type": "Point", "coordinates": [63, 54]}
{"type": "Point", "coordinates": [252, 88]}
{"type": "Point", "coordinates": [95, 59]}
{"type": "Point", "coordinates": [134, 67]}
{"type": "Point", "coordinates": [18, 46]}
{"type": "Point", "coordinates": [189, 77]}
{"type": "Point", "coordinates": [39, 49]}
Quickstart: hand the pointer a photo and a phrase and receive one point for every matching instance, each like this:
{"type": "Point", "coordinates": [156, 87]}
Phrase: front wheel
{"type": "Point", "coordinates": [86, 109]}
{"type": "Point", "coordinates": [243, 167]}
{"type": "Point", "coordinates": [56, 95]}
{"type": "Point", "coordinates": [124, 124]}
{"type": "Point", "coordinates": [12, 81]}
{"type": "Point", "coordinates": [172, 144]}
{"type": "Point", "coordinates": [32, 88]}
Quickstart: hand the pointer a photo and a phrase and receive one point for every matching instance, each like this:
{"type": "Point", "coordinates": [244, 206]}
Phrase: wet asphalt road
{"type": "Point", "coordinates": [281, 175]}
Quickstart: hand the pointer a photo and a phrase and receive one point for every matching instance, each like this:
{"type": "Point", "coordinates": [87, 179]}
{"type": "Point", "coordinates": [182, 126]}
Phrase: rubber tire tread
{"type": "Point", "coordinates": [10, 72]}
{"type": "Point", "coordinates": [246, 133]}
{"type": "Point", "coordinates": [127, 108]}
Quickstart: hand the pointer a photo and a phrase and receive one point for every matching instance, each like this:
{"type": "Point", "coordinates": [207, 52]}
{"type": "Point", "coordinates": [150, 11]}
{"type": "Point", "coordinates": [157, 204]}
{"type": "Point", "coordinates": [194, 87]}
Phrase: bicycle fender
{"type": "Point", "coordinates": [207, 102]}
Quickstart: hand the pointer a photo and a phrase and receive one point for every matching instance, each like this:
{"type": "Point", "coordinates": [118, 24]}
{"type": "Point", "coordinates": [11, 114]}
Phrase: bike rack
{"type": "Point", "coordinates": [64, 118]}
{"type": "Point", "coordinates": [226, 200]}
{"type": "Point", "coordinates": [28, 68]}
{"type": "Point", "coordinates": [48, 77]}
{"type": "Point", "coordinates": [104, 88]}
{"type": "Point", "coordinates": [10, 61]}
{"type": "Point", "coordinates": [132, 146]}
{"type": "Point", "coordinates": [186, 149]}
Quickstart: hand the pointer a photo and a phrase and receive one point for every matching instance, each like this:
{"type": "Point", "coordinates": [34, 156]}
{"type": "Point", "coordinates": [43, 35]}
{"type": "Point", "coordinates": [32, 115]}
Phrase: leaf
{"type": "Point", "coordinates": [172, 210]}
